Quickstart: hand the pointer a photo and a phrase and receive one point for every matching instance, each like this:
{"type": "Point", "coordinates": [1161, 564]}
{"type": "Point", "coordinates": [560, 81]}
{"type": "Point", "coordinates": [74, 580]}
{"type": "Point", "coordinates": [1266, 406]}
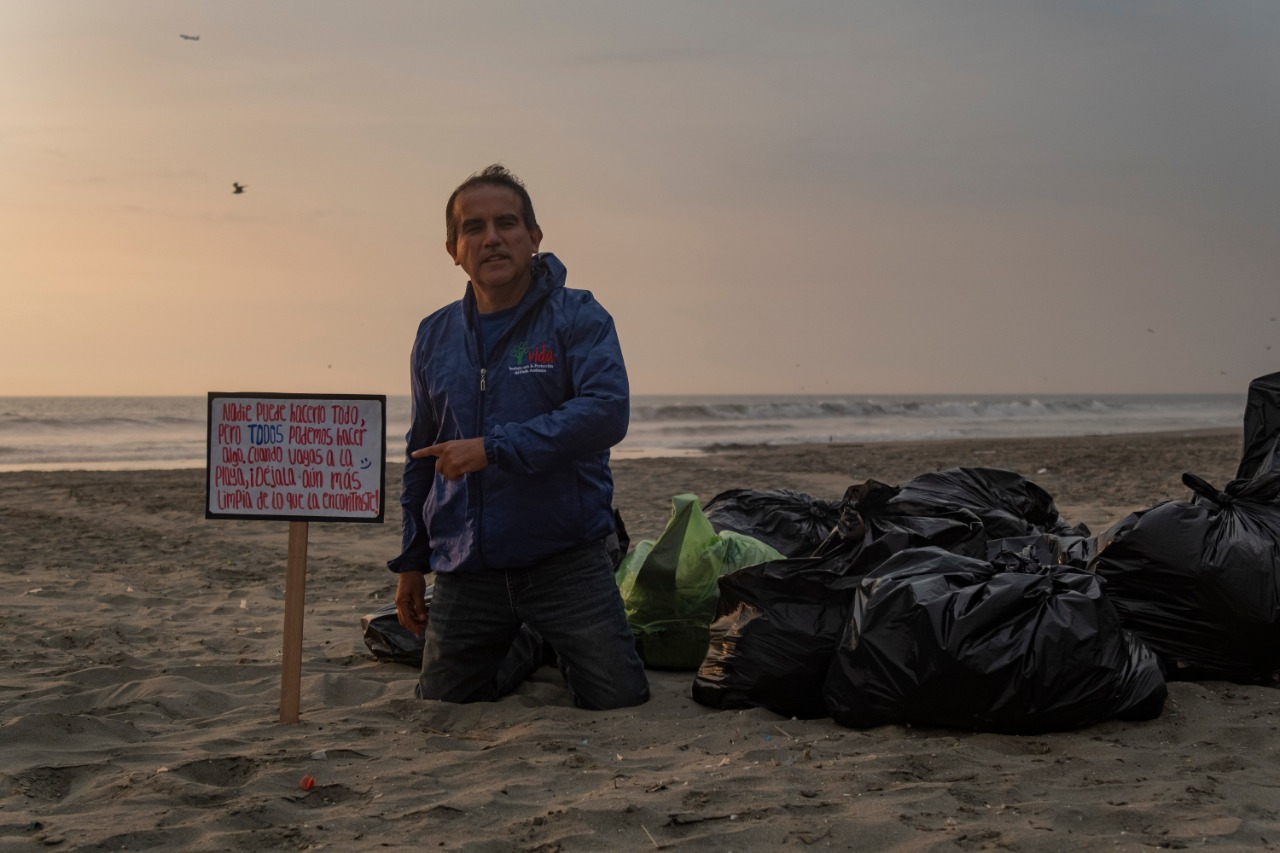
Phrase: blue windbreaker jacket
{"type": "Point", "coordinates": [550, 402]}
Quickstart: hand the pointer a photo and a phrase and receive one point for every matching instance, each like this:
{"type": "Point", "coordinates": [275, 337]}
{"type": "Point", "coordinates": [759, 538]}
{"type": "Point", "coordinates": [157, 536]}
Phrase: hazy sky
{"type": "Point", "coordinates": [956, 196]}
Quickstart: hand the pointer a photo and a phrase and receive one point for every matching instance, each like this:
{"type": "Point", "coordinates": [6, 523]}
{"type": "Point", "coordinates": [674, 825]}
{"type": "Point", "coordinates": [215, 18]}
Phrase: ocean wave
{"type": "Point", "coordinates": [29, 424]}
{"type": "Point", "coordinates": [719, 429]}
{"type": "Point", "coordinates": [793, 410]}
{"type": "Point", "coordinates": [62, 433]}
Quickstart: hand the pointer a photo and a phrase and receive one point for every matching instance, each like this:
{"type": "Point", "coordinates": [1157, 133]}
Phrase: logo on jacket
{"type": "Point", "coordinates": [529, 358]}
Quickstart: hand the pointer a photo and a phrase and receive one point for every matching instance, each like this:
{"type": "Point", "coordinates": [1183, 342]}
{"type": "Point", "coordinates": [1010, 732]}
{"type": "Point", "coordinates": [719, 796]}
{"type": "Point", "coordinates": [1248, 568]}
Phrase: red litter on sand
{"type": "Point", "coordinates": [307, 783]}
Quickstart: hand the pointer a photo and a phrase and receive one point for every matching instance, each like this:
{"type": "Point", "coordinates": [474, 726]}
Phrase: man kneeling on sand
{"type": "Point", "coordinates": [519, 390]}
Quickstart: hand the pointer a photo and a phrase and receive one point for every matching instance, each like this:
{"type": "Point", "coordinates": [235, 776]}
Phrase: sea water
{"type": "Point", "coordinates": [119, 433]}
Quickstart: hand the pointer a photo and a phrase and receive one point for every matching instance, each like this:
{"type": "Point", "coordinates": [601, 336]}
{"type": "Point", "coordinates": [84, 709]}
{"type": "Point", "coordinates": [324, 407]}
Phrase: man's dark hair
{"type": "Point", "coordinates": [496, 175]}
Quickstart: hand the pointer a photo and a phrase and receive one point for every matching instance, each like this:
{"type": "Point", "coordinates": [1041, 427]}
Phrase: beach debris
{"type": "Point", "coordinates": [987, 637]}
{"type": "Point", "coordinates": [188, 38]}
{"type": "Point", "coordinates": [388, 640]}
{"type": "Point", "coordinates": [1261, 428]}
{"type": "Point", "coordinates": [319, 755]}
{"type": "Point", "coordinates": [809, 838]}
{"type": "Point", "coordinates": [307, 783]}
{"type": "Point", "coordinates": [237, 189]}
{"type": "Point", "coordinates": [1197, 579]}
{"type": "Point", "coordinates": [774, 636]}
{"type": "Point", "coordinates": [791, 522]}
{"type": "Point", "coordinates": [669, 586]}
{"type": "Point", "coordinates": [1008, 504]}
{"type": "Point", "coordinates": [688, 819]}
{"type": "Point", "coordinates": [244, 604]}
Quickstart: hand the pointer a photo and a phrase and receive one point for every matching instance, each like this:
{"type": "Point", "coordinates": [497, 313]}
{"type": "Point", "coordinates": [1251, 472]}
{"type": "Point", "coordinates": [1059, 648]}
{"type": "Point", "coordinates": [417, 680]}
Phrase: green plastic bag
{"type": "Point", "coordinates": [669, 585]}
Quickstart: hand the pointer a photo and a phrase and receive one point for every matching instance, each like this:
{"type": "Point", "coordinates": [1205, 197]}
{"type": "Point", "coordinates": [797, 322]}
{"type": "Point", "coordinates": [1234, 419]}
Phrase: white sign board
{"type": "Point", "coordinates": [297, 457]}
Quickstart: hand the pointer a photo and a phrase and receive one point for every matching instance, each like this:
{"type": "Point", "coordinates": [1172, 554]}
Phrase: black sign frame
{"type": "Point", "coordinates": [291, 514]}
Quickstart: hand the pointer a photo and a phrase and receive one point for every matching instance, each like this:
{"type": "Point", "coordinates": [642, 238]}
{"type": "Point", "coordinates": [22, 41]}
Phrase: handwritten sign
{"type": "Point", "coordinates": [297, 457]}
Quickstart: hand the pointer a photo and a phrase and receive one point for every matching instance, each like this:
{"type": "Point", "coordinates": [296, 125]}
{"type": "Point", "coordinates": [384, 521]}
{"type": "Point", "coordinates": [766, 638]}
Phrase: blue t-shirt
{"type": "Point", "coordinates": [491, 328]}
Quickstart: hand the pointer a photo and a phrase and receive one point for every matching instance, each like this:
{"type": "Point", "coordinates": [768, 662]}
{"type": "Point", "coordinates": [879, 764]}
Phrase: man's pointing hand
{"type": "Point", "coordinates": [455, 459]}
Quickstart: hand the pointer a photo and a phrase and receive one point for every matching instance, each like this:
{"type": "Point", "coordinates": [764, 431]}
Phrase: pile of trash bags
{"type": "Point", "coordinates": [963, 599]}
{"type": "Point", "coordinates": [960, 598]}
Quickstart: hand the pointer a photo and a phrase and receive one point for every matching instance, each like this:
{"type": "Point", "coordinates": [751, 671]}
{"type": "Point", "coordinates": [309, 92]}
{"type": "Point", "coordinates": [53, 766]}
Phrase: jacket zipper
{"type": "Point", "coordinates": [479, 481]}
{"type": "Point", "coordinates": [480, 359]}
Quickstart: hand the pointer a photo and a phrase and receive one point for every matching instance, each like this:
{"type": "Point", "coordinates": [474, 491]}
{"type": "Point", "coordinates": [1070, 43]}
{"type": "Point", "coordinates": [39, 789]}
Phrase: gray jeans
{"type": "Point", "coordinates": [486, 630]}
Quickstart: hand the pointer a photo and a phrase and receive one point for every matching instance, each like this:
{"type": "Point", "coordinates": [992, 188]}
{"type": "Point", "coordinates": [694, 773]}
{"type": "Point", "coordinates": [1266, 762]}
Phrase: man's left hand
{"type": "Point", "coordinates": [456, 459]}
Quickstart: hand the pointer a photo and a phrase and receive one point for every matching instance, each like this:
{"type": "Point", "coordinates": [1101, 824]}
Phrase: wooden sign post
{"type": "Point", "coordinates": [296, 458]}
{"type": "Point", "coordinates": [295, 596]}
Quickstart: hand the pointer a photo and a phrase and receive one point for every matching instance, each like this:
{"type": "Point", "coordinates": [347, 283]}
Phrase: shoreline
{"type": "Point", "coordinates": [141, 687]}
{"type": "Point", "coordinates": [667, 453]}
{"type": "Point", "coordinates": [1065, 466]}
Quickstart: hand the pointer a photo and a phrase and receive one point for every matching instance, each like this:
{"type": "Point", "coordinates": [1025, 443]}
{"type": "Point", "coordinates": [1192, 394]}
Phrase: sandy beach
{"type": "Point", "coordinates": [140, 686]}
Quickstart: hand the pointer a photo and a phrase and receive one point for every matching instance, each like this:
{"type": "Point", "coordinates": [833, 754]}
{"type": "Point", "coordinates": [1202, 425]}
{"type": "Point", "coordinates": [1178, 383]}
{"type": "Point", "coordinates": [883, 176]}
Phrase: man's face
{"type": "Point", "coordinates": [494, 246]}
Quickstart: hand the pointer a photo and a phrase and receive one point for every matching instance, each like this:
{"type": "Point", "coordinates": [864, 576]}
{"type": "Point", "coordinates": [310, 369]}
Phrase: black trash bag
{"type": "Point", "coordinates": [876, 522]}
{"type": "Point", "coordinates": [792, 523]}
{"type": "Point", "coordinates": [774, 636]}
{"type": "Point", "coordinates": [624, 538]}
{"type": "Point", "coordinates": [777, 623]}
{"type": "Point", "coordinates": [1199, 580]}
{"type": "Point", "coordinates": [1009, 504]}
{"type": "Point", "coordinates": [939, 639]}
{"type": "Point", "coordinates": [1261, 428]}
{"type": "Point", "coordinates": [1046, 549]}
{"type": "Point", "coordinates": [390, 641]}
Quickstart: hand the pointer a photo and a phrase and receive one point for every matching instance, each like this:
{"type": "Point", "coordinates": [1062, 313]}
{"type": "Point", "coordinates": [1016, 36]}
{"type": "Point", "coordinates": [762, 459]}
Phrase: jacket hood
{"type": "Point", "coordinates": [548, 269]}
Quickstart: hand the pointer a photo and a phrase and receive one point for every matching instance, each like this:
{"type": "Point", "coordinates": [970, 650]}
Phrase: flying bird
{"type": "Point", "coordinates": [239, 188]}
{"type": "Point", "coordinates": [188, 38]}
